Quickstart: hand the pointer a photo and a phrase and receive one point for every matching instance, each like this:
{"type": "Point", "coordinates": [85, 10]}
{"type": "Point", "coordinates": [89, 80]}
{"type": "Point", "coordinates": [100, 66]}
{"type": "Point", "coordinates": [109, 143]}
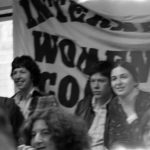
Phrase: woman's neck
{"type": "Point", "coordinates": [130, 98]}
{"type": "Point", "coordinates": [25, 92]}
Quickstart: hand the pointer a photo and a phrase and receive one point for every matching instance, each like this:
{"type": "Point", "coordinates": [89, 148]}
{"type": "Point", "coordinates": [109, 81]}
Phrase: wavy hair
{"type": "Point", "coordinates": [68, 131]}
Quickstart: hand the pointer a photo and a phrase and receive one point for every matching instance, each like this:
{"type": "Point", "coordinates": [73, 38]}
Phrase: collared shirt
{"type": "Point", "coordinates": [97, 128]}
{"type": "Point", "coordinates": [24, 103]}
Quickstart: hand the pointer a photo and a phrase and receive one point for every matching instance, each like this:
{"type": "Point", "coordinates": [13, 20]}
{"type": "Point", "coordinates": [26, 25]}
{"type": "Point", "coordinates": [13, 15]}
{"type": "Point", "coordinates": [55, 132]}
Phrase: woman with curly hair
{"type": "Point", "coordinates": [54, 129]}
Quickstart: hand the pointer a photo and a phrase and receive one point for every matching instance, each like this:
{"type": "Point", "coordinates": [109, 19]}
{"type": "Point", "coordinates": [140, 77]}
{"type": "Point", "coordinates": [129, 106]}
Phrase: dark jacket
{"type": "Point", "coordinates": [119, 130]}
{"type": "Point", "coordinates": [34, 100]}
{"type": "Point", "coordinates": [14, 114]}
{"type": "Point", "coordinates": [84, 109]}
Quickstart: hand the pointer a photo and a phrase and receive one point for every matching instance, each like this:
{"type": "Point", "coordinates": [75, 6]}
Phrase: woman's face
{"type": "Point", "coordinates": [122, 81]}
{"type": "Point", "coordinates": [22, 78]}
{"type": "Point", "coordinates": [41, 137]}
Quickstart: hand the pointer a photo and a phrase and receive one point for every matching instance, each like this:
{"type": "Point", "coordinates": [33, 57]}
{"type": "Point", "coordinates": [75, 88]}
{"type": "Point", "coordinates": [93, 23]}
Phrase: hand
{"type": "Point", "coordinates": [25, 147]}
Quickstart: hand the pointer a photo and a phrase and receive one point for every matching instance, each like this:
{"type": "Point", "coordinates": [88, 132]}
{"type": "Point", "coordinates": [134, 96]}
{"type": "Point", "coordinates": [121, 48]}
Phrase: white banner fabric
{"type": "Point", "coordinates": [66, 37]}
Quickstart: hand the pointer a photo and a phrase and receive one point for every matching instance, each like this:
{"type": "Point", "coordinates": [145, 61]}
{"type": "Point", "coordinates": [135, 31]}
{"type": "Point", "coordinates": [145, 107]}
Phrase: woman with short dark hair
{"type": "Point", "coordinates": [26, 76]}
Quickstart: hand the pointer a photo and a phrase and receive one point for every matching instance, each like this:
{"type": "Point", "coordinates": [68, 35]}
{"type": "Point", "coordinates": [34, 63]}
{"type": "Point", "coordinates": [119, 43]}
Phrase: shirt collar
{"type": "Point", "coordinates": [95, 106]}
{"type": "Point", "coordinates": [29, 95]}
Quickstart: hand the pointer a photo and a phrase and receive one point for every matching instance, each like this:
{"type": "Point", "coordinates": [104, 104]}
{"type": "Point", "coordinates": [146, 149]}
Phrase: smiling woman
{"type": "Point", "coordinates": [127, 108]}
{"type": "Point", "coordinates": [26, 76]}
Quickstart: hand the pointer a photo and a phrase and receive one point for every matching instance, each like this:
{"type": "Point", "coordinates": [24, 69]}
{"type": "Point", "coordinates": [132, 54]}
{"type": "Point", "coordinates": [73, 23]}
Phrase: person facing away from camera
{"type": "Point", "coordinates": [26, 76]}
{"type": "Point", "coordinates": [93, 107]}
{"type": "Point", "coordinates": [14, 115]}
{"type": "Point", "coordinates": [127, 108]}
{"type": "Point", "coordinates": [7, 141]}
{"type": "Point", "coordinates": [54, 129]}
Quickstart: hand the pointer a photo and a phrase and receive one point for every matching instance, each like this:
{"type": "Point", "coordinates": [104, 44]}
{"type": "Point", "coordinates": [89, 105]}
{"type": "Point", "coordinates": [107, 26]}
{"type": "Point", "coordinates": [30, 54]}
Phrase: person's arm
{"type": "Point", "coordinates": [25, 147]}
{"type": "Point", "coordinates": [14, 114]}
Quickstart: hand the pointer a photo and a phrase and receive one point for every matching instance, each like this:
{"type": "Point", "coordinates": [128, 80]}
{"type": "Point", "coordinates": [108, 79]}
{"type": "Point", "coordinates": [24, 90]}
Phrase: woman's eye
{"type": "Point", "coordinates": [32, 135]}
{"type": "Point", "coordinates": [113, 78]}
{"type": "Point", "coordinates": [23, 71]}
{"type": "Point", "coordinates": [14, 72]}
{"type": "Point", "coordinates": [46, 132]}
{"type": "Point", "coordinates": [92, 80]}
{"type": "Point", "coordinates": [124, 76]}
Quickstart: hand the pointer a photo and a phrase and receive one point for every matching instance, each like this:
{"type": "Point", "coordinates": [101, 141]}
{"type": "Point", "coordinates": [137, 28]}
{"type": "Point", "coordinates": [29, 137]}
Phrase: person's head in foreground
{"type": "Point", "coordinates": [7, 141]}
{"type": "Point", "coordinates": [55, 129]}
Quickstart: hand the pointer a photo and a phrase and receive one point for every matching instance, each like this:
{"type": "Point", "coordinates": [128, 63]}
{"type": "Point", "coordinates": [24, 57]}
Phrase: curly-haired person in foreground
{"type": "Point", "coordinates": [55, 129]}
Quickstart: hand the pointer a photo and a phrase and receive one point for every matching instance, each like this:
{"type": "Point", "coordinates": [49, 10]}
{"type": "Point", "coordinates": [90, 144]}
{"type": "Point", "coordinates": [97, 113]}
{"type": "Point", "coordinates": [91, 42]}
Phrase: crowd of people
{"type": "Point", "coordinates": [113, 113]}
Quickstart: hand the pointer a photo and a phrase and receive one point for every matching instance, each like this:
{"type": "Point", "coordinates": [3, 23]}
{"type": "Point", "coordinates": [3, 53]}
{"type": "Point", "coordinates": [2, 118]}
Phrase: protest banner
{"type": "Point", "coordinates": [66, 37]}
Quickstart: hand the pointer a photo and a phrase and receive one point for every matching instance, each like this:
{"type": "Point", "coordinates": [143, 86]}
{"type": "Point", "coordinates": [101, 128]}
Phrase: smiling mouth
{"type": "Point", "coordinates": [120, 88]}
{"type": "Point", "coordinates": [40, 148]}
{"type": "Point", "coordinates": [97, 93]}
{"type": "Point", "coordinates": [19, 84]}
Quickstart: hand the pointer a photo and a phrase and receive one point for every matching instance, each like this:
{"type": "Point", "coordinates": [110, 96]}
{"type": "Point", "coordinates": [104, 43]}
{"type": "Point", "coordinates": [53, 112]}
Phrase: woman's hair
{"type": "Point", "coordinates": [128, 66]}
{"type": "Point", "coordinates": [68, 131]}
{"type": "Point", "coordinates": [28, 63]}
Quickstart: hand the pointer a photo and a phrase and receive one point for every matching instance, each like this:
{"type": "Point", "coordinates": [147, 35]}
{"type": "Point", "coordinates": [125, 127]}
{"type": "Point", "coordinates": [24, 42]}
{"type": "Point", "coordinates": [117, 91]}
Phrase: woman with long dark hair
{"type": "Point", "coordinates": [128, 107]}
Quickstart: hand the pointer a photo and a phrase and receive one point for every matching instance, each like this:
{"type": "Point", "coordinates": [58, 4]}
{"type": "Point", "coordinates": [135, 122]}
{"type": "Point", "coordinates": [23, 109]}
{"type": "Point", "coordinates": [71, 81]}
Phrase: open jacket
{"type": "Point", "coordinates": [121, 132]}
{"type": "Point", "coordinates": [84, 109]}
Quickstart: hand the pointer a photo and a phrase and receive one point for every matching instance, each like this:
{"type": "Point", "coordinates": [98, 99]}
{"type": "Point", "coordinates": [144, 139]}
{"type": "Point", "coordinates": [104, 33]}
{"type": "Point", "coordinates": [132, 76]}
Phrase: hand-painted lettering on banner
{"type": "Point", "coordinates": [80, 58]}
{"type": "Point", "coordinates": [46, 9]}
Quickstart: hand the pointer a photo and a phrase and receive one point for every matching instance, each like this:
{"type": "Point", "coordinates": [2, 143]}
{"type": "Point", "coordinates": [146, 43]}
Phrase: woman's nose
{"type": "Point", "coordinates": [118, 81]}
{"type": "Point", "coordinates": [38, 138]}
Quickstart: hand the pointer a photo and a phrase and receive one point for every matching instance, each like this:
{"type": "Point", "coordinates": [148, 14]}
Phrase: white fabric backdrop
{"type": "Point", "coordinates": [66, 37]}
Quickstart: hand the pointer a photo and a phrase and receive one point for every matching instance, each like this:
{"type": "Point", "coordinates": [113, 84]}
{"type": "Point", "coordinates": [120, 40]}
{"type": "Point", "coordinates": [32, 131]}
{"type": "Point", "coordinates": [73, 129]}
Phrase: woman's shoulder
{"type": "Point", "coordinates": [143, 97]}
{"type": "Point", "coordinates": [142, 92]}
{"type": "Point", "coordinates": [143, 101]}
